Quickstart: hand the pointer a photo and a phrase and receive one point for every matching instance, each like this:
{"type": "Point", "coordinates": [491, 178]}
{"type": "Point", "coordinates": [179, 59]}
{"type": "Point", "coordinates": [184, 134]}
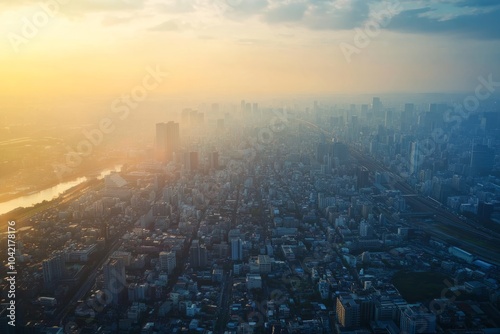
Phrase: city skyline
{"type": "Point", "coordinates": [250, 166]}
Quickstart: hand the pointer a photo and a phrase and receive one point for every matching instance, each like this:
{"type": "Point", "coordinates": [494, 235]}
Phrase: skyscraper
{"type": "Point", "coordinates": [167, 262]}
{"type": "Point", "coordinates": [236, 249]}
{"type": "Point", "coordinates": [341, 152]}
{"type": "Point", "coordinates": [377, 106]}
{"type": "Point", "coordinates": [407, 116]}
{"type": "Point", "coordinates": [389, 114]}
{"type": "Point", "coordinates": [409, 108]}
{"type": "Point", "coordinates": [167, 140]}
{"type": "Point", "coordinates": [197, 255]}
{"type": "Point", "coordinates": [115, 279]}
{"type": "Point", "coordinates": [362, 176]}
{"type": "Point", "coordinates": [482, 160]}
{"type": "Point", "coordinates": [415, 157]}
{"type": "Point", "coordinates": [53, 270]}
{"type": "Point", "coordinates": [322, 150]}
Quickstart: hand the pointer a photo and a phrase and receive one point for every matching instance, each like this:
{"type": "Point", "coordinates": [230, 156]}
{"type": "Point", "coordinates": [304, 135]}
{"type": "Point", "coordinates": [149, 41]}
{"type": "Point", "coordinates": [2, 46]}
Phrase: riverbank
{"type": "Point", "coordinates": [56, 191]}
{"type": "Point", "coordinates": [21, 214]}
{"type": "Point", "coordinates": [96, 171]}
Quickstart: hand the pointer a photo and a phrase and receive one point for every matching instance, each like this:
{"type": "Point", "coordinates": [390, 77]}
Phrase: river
{"type": "Point", "coordinates": [49, 193]}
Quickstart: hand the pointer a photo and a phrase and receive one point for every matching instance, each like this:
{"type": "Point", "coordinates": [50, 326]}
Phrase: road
{"type": "Point", "coordinates": [88, 284]}
{"type": "Point", "coordinates": [224, 303]}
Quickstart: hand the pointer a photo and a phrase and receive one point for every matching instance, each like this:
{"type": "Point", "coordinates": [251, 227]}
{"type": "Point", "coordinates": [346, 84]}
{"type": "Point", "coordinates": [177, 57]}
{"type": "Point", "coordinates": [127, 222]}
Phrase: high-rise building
{"type": "Point", "coordinates": [377, 106]}
{"type": "Point", "coordinates": [194, 254]}
{"type": "Point", "coordinates": [161, 142]}
{"type": "Point", "coordinates": [167, 140]}
{"type": "Point", "coordinates": [365, 229]}
{"type": "Point", "coordinates": [323, 150]}
{"type": "Point", "coordinates": [214, 160]}
{"type": "Point", "coordinates": [389, 114]}
{"type": "Point", "coordinates": [265, 264]}
{"type": "Point", "coordinates": [236, 249]}
{"type": "Point", "coordinates": [409, 108]}
{"type": "Point", "coordinates": [341, 152]}
{"type": "Point", "coordinates": [407, 116]}
{"type": "Point", "coordinates": [414, 319]}
{"type": "Point", "coordinates": [363, 180]}
{"type": "Point", "coordinates": [348, 311]}
{"type": "Point", "coordinates": [366, 309]}
{"type": "Point", "coordinates": [53, 270]}
{"type": "Point", "coordinates": [415, 158]}
{"type": "Point", "coordinates": [115, 281]}
{"type": "Point", "coordinates": [482, 160]}
{"type": "Point", "coordinates": [197, 255]}
{"type": "Point", "coordinates": [484, 210]}
{"type": "Point", "coordinates": [190, 161]}
{"type": "Point", "coordinates": [167, 262]}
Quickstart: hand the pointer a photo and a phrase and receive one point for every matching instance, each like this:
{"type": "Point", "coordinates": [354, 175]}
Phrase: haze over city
{"type": "Point", "coordinates": [250, 166]}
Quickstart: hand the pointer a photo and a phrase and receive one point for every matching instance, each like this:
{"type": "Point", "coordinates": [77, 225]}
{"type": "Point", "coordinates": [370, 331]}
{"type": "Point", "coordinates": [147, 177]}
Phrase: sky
{"type": "Point", "coordinates": [76, 49]}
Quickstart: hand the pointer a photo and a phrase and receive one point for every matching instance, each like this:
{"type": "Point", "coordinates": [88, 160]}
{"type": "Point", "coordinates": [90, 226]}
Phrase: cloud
{"type": "Point", "coordinates": [467, 18]}
{"type": "Point", "coordinates": [177, 6]}
{"type": "Point", "coordinates": [471, 19]}
{"type": "Point", "coordinates": [478, 3]}
{"type": "Point", "coordinates": [290, 12]}
{"type": "Point", "coordinates": [313, 14]}
{"type": "Point", "coordinates": [80, 7]}
{"type": "Point", "coordinates": [171, 25]}
{"type": "Point", "coordinates": [337, 15]}
{"type": "Point", "coordinates": [483, 25]}
{"type": "Point", "coordinates": [237, 9]}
